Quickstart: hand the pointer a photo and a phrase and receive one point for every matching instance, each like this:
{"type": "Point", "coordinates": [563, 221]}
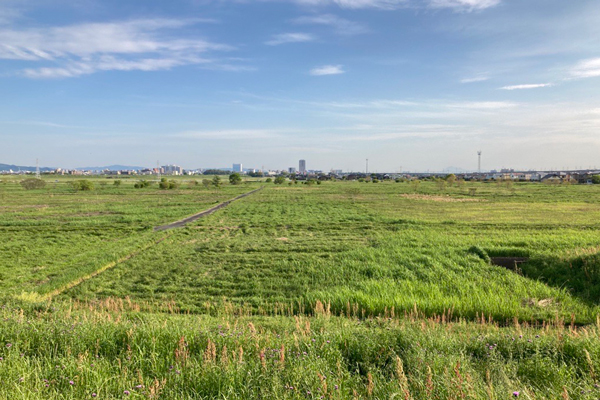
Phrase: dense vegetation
{"type": "Point", "coordinates": [337, 290]}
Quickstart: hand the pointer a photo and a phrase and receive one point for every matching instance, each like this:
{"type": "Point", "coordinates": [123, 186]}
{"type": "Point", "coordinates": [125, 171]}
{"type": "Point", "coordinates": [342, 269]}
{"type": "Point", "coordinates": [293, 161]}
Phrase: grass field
{"type": "Point", "coordinates": [381, 290]}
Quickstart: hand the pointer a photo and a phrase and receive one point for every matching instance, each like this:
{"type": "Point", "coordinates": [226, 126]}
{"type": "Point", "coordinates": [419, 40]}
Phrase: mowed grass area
{"type": "Point", "coordinates": [342, 290]}
{"type": "Point", "coordinates": [369, 249]}
{"type": "Point", "coordinates": [52, 236]}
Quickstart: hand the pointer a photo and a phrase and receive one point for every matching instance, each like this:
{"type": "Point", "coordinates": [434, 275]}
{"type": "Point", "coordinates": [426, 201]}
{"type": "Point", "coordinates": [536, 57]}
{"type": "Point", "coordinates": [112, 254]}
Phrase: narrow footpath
{"type": "Point", "coordinates": [183, 222]}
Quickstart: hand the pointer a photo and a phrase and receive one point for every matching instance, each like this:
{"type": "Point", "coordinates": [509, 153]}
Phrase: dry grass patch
{"type": "Point", "coordinates": [444, 199]}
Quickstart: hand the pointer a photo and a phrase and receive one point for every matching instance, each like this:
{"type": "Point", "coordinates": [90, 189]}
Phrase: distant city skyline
{"type": "Point", "coordinates": [408, 84]}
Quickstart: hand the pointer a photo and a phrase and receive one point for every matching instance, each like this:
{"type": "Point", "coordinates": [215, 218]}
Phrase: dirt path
{"type": "Point", "coordinates": [183, 222]}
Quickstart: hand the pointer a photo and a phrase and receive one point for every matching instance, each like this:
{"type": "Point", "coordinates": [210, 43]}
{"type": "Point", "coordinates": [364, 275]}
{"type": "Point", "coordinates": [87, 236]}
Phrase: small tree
{"type": "Point", "coordinates": [82, 185]}
{"type": "Point", "coordinates": [279, 180]}
{"type": "Point", "coordinates": [117, 183]}
{"type": "Point", "coordinates": [415, 184]}
{"type": "Point", "coordinates": [269, 180]}
{"type": "Point", "coordinates": [206, 183]}
{"type": "Point", "coordinates": [451, 178]}
{"type": "Point", "coordinates": [33, 183]}
{"type": "Point", "coordinates": [216, 182]}
{"type": "Point", "coordinates": [235, 179]}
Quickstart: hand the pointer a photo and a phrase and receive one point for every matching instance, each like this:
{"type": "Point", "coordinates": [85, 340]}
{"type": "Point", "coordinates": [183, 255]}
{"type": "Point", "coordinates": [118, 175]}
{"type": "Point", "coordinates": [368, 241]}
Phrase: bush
{"type": "Point", "coordinates": [82, 185]}
{"type": "Point", "coordinates": [269, 180]}
{"type": "Point", "coordinates": [33, 183]}
{"type": "Point", "coordinates": [279, 180]}
{"type": "Point", "coordinates": [117, 182]}
{"type": "Point", "coordinates": [168, 184]}
{"type": "Point", "coordinates": [142, 184]}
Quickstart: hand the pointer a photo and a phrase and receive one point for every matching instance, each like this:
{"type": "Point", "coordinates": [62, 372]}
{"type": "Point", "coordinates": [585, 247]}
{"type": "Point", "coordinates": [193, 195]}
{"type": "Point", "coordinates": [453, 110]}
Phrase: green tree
{"type": "Point", "coordinates": [117, 182]}
{"type": "Point", "coordinates": [206, 183]}
{"type": "Point", "coordinates": [82, 185]}
{"type": "Point", "coordinates": [596, 179]}
{"type": "Point", "coordinates": [33, 183]}
{"type": "Point", "coordinates": [279, 180]}
{"type": "Point", "coordinates": [235, 178]}
{"type": "Point", "coordinates": [216, 181]}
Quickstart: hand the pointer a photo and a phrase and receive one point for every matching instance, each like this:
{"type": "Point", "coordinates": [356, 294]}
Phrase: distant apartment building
{"type": "Point", "coordinates": [292, 170]}
{"type": "Point", "coordinates": [172, 170]}
{"type": "Point", "coordinates": [302, 166]}
{"type": "Point", "coordinates": [237, 168]}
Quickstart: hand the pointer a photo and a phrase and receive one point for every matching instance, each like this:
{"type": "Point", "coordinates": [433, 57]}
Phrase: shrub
{"type": "Point", "coordinates": [82, 185]}
{"type": "Point", "coordinates": [33, 183]}
{"type": "Point", "coordinates": [279, 180]}
{"type": "Point", "coordinates": [235, 179]}
{"type": "Point", "coordinates": [117, 182]}
{"type": "Point", "coordinates": [269, 180]}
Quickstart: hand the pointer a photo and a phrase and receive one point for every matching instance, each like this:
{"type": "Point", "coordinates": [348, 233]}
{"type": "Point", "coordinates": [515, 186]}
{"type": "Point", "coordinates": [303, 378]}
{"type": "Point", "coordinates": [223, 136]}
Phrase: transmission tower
{"type": "Point", "coordinates": [37, 169]}
{"type": "Point", "coordinates": [479, 161]}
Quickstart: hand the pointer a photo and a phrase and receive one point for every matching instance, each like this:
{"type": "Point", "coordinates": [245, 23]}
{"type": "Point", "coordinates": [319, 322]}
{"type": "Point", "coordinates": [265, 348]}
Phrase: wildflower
{"type": "Point", "coordinates": [94, 395]}
{"type": "Point", "coordinates": [537, 336]}
{"type": "Point", "coordinates": [1, 358]}
{"type": "Point", "coordinates": [516, 394]}
{"type": "Point", "coordinates": [336, 387]}
{"type": "Point", "coordinates": [139, 386]}
{"type": "Point", "coordinates": [21, 379]}
{"type": "Point", "coordinates": [126, 392]}
{"type": "Point", "coordinates": [9, 345]}
{"type": "Point", "coordinates": [71, 383]}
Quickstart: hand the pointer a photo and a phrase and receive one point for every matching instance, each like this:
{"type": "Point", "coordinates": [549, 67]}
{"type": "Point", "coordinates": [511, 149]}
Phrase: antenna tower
{"type": "Point", "coordinates": [37, 169]}
{"type": "Point", "coordinates": [479, 161]}
{"type": "Point", "coordinates": [367, 168]}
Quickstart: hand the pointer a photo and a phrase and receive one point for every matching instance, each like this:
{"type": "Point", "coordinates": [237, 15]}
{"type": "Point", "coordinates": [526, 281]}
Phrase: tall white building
{"type": "Point", "coordinates": [302, 166]}
{"type": "Point", "coordinates": [172, 170]}
{"type": "Point", "coordinates": [237, 168]}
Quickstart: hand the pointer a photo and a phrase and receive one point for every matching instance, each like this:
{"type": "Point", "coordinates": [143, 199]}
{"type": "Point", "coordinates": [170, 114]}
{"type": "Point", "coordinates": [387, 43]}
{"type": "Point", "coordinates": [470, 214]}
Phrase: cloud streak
{"type": "Point", "coordinates": [586, 68]}
{"type": "Point", "coordinates": [327, 70]}
{"type": "Point", "coordinates": [296, 37]}
{"type": "Point", "coordinates": [143, 45]}
{"type": "Point", "coordinates": [527, 86]}
{"type": "Point", "coordinates": [339, 25]}
{"type": "Point", "coordinates": [464, 5]}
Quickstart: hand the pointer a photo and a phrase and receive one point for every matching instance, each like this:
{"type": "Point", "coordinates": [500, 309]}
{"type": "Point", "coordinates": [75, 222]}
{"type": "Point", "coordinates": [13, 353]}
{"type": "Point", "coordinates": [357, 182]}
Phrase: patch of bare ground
{"type": "Point", "coordinates": [444, 199]}
{"type": "Point", "coordinates": [283, 239]}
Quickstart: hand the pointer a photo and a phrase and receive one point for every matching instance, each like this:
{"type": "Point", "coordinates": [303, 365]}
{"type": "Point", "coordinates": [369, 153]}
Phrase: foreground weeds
{"type": "Point", "coordinates": [73, 354]}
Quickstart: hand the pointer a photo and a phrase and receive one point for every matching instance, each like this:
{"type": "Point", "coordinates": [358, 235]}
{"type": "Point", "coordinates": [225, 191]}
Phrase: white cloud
{"type": "Point", "coordinates": [475, 79]}
{"type": "Point", "coordinates": [327, 70]}
{"type": "Point", "coordinates": [586, 68]}
{"type": "Point", "coordinates": [86, 48]}
{"type": "Point", "coordinates": [464, 5]}
{"type": "Point", "coordinates": [230, 134]}
{"type": "Point", "coordinates": [357, 4]}
{"type": "Point", "coordinates": [484, 105]}
{"type": "Point", "coordinates": [290, 38]}
{"type": "Point", "coordinates": [340, 25]}
{"type": "Point", "coordinates": [526, 86]}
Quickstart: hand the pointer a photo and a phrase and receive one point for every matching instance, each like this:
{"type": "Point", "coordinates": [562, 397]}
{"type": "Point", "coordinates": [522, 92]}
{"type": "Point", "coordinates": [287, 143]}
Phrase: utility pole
{"type": "Point", "coordinates": [367, 168]}
{"type": "Point", "coordinates": [479, 161]}
{"type": "Point", "coordinates": [158, 170]}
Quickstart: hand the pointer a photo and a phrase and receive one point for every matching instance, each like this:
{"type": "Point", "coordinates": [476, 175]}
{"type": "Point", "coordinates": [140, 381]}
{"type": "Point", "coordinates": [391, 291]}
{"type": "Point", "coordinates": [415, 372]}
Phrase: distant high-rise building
{"type": "Point", "coordinates": [292, 170]}
{"type": "Point", "coordinates": [302, 166]}
{"type": "Point", "coordinates": [237, 167]}
{"type": "Point", "coordinates": [172, 170]}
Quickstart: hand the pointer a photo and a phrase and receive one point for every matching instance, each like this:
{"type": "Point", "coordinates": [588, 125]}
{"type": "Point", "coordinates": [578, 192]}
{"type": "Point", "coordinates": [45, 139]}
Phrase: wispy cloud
{"type": "Point", "coordinates": [464, 5]}
{"type": "Point", "coordinates": [327, 70]}
{"type": "Point", "coordinates": [81, 49]}
{"type": "Point", "coordinates": [527, 86]}
{"type": "Point", "coordinates": [229, 134]}
{"type": "Point", "coordinates": [586, 68]}
{"type": "Point", "coordinates": [484, 105]}
{"type": "Point", "coordinates": [357, 4]}
{"type": "Point", "coordinates": [290, 38]}
{"type": "Point", "coordinates": [474, 79]}
{"type": "Point", "coordinates": [341, 26]}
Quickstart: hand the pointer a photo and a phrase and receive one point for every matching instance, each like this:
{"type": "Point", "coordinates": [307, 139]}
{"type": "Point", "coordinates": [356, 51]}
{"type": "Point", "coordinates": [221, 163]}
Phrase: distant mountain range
{"type": "Point", "coordinates": [112, 168]}
{"type": "Point", "coordinates": [9, 167]}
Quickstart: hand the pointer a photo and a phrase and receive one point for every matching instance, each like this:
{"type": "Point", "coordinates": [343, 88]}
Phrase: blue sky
{"type": "Point", "coordinates": [408, 84]}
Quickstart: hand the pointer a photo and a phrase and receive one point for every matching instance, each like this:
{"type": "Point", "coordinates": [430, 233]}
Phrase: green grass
{"type": "Point", "coordinates": [355, 275]}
